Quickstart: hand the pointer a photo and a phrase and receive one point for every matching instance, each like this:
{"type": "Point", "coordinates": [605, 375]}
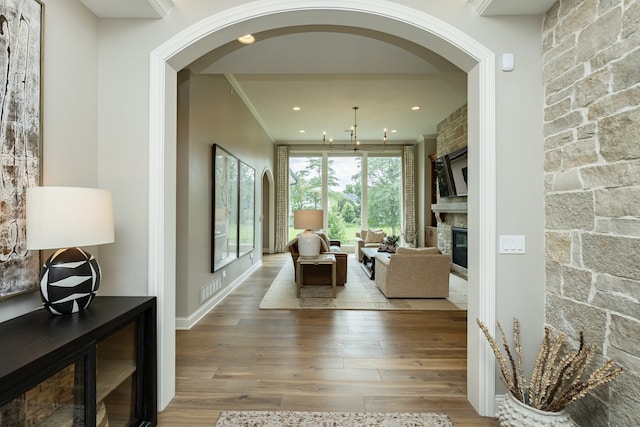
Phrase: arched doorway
{"type": "Point", "coordinates": [395, 19]}
{"type": "Point", "coordinates": [268, 212]}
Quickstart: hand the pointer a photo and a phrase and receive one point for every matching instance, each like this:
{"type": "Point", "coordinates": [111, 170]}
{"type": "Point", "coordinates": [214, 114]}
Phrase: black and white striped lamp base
{"type": "Point", "coordinates": [69, 281]}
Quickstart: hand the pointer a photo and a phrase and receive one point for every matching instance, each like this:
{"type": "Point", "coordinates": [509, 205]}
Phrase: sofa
{"type": "Point", "coordinates": [321, 274]}
{"type": "Point", "coordinates": [368, 239]}
{"type": "Point", "coordinates": [413, 273]}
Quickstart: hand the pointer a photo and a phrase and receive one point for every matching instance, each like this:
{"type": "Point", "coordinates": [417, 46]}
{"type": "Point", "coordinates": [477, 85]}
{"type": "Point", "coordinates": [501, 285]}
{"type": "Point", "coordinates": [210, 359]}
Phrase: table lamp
{"type": "Point", "coordinates": [308, 240]}
{"type": "Point", "coordinates": [64, 218]}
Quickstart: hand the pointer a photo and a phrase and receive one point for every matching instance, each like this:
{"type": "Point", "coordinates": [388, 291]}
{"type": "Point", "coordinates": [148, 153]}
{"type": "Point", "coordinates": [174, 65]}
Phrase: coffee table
{"type": "Point", "coordinates": [369, 261]}
{"type": "Point", "coordinates": [315, 260]}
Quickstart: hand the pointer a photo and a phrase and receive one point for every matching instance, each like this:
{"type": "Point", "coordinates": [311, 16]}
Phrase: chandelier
{"type": "Point", "coordinates": [353, 137]}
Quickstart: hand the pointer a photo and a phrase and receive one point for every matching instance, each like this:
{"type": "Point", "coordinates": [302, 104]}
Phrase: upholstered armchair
{"type": "Point", "coordinates": [320, 274]}
{"type": "Point", "coordinates": [368, 239]}
{"type": "Point", "coordinates": [413, 273]}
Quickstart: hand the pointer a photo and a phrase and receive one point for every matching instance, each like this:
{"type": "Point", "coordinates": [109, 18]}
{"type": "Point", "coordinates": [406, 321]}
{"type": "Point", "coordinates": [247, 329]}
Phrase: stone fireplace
{"type": "Point", "coordinates": [452, 233]}
{"type": "Point", "coordinates": [459, 246]}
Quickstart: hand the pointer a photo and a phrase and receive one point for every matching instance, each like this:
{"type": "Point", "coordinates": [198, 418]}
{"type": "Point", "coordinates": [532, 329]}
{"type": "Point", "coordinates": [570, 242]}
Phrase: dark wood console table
{"type": "Point", "coordinates": [90, 368]}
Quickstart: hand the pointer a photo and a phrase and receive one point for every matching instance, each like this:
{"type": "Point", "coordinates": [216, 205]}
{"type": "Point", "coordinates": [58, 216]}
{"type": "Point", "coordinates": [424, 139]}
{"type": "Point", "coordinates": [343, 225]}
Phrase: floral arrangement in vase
{"type": "Point", "coordinates": [389, 244]}
{"type": "Point", "coordinates": [557, 380]}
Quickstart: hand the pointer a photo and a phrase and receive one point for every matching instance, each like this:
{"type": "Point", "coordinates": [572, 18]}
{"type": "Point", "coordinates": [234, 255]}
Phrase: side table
{"type": "Point", "coordinates": [328, 259]}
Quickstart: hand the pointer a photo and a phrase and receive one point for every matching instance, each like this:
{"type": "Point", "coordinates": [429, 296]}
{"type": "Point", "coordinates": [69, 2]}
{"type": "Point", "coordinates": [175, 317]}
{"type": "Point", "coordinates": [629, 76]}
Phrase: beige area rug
{"type": "Point", "coordinates": [359, 293]}
{"type": "Point", "coordinates": [330, 419]}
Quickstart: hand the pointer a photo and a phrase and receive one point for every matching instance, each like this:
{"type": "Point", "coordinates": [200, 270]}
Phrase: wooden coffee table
{"type": "Point", "coordinates": [369, 261]}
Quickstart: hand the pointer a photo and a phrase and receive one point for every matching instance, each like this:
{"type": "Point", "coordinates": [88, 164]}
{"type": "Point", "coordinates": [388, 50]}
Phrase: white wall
{"type": "Point", "coordinates": [216, 115]}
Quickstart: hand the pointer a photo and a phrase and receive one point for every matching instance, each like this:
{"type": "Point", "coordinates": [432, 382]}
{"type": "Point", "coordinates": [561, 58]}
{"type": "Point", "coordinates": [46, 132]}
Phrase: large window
{"type": "Point", "coordinates": [345, 195]}
{"type": "Point", "coordinates": [305, 186]}
{"type": "Point", "coordinates": [384, 194]}
{"type": "Point", "coordinates": [342, 186]}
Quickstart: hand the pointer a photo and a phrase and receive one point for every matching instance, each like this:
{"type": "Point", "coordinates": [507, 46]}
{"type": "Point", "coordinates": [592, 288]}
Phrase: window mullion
{"type": "Point", "coordinates": [325, 190]}
{"type": "Point", "coordinates": [364, 183]}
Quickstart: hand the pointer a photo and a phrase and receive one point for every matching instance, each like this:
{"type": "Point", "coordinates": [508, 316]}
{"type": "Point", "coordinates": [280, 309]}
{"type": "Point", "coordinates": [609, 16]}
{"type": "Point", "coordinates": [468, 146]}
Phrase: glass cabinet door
{"type": "Point", "coordinates": [57, 401]}
{"type": "Point", "coordinates": [116, 377]}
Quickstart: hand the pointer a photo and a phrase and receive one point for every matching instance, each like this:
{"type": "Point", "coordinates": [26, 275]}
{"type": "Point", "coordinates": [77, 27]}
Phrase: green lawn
{"type": "Point", "coordinates": [350, 234]}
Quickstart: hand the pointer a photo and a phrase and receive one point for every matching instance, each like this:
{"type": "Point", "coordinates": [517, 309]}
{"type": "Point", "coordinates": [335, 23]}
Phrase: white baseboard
{"type": "Point", "coordinates": [186, 323]}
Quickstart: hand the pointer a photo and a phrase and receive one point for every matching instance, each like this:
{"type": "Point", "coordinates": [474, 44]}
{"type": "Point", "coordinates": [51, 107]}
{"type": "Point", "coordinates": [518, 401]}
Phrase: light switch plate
{"type": "Point", "coordinates": [513, 244]}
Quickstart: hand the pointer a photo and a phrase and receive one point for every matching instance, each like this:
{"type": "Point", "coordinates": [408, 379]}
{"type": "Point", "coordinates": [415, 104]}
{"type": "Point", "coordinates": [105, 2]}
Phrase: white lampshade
{"type": "Point", "coordinates": [307, 219]}
{"type": "Point", "coordinates": [65, 217]}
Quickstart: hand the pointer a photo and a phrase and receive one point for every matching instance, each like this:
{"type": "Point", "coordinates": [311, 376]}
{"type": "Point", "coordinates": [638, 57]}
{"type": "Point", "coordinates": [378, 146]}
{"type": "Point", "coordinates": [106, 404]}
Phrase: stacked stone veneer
{"type": "Point", "coordinates": [453, 132]}
{"type": "Point", "coordinates": [452, 136]}
{"type": "Point", "coordinates": [591, 57]}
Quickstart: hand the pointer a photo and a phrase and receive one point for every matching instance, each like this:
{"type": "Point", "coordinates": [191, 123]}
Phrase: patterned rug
{"type": "Point", "coordinates": [330, 419]}
{"type": "Point", "coordinates": [359, 293]}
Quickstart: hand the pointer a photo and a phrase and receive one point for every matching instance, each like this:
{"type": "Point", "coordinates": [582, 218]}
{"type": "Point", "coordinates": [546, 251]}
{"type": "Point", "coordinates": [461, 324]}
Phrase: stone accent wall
{"type": "Point", "coordinates": [452, 132]}
{"type": "Point", "coordinates": [591, 57]}
{"type": "Point", "coordinates": [452, 136]}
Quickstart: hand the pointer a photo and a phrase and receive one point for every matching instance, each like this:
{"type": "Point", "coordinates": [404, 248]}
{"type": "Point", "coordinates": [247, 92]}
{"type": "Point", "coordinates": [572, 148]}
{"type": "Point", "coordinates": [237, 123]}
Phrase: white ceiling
{"type": "Point", "coordinates": [160, 8]}
{"type": "Point", "coordinates": [511, 7]}
{"type": "Point", "coordinates": [129, 8]}
{"type": "Point", "coordinates": [329, 70]}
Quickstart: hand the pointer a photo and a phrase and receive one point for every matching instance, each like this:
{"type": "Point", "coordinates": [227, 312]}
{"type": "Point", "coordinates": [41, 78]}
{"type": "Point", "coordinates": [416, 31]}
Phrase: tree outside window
{"type": "Point", "coordinates": [344, 193]}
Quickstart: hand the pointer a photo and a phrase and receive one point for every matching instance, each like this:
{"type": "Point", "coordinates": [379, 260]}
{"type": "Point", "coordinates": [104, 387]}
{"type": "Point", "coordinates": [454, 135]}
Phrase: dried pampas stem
{"type": "Point", "coordinates": [555, 382]}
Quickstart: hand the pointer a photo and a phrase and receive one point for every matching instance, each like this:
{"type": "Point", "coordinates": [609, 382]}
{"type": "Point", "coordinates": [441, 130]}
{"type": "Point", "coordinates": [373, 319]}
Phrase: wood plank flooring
{"type": "Point", "coordinates": [242, 358]}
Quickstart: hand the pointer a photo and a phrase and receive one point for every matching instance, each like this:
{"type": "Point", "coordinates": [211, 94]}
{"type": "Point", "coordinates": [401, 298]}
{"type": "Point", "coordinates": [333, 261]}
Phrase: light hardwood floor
{"type": "Point", "coordinates": [242, 358]}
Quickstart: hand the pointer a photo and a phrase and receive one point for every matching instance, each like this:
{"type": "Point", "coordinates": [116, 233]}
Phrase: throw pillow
{"type": "Point", "coordinates": [325, 239]}
{"type": "Point", "coordinates": [417, 251]}
{"type": "Point", "coordinates": [374, 236]}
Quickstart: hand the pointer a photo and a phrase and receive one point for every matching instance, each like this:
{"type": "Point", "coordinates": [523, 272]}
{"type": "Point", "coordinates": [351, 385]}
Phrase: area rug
{"type": "Point", "coordinates": [330, 419]}
{"type": "Point", "coordinates": [359, 293]}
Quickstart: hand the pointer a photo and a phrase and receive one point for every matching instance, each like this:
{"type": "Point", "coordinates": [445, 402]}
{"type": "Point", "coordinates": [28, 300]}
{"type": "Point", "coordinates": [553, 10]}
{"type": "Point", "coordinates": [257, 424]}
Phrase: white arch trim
{"type": "Point", "coordinates": [481, 388]}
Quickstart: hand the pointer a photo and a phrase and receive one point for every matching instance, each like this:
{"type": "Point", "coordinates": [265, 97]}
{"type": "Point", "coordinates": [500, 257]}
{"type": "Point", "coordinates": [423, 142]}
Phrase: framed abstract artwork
{"type": "Point", "coordinates": [224, 241]}
{"type": "Point", "coordinates": [247, 209]}
{"type": "Point", "coordinates": [20, 138]}
{"type": "Point", "coordinates": [233, 208]}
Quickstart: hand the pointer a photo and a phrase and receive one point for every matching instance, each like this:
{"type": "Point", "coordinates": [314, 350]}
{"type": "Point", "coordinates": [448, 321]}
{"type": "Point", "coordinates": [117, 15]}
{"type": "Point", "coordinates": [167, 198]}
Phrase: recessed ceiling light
{"type": "Point", "coordinates": [394, 130]}
{"type": "Point", "coordinates": [302, 131]}
{"type": "Point", "coordinates": [296, 108]}
{"type": "Point", "coordinates": [247, 39]}
{"type": "Point", "coordinates": [416, 107]}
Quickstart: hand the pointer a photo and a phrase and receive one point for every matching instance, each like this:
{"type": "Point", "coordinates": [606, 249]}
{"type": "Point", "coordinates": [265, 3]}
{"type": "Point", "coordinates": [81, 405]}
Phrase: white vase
{"type": "Point", "coordinates": [513, 413]}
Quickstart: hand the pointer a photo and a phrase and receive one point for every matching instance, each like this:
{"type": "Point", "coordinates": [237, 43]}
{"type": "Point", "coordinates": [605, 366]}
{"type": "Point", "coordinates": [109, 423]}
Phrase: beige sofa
{"type": "Point", "coordinates": [365, 240]}
{"type": "Point", "coordinates": [413, 273]}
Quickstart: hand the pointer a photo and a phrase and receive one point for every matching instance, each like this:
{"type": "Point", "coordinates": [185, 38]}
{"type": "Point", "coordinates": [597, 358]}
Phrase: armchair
{"type": "Point", "coordinates": [368, 239]}
{"type": "Point", "coordinates": [320, 274]}
{"type": "Point", "coordinates": [413, 273]}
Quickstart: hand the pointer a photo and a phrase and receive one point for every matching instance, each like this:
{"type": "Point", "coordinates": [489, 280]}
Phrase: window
{"type": "Point", "coordinates": [384, 191]}
{"type": "Point", "coordinates": [345, 195]}
{"type": "Point", "coordinates": [341, 186]}
{"type": "Point", "coordinates": [305, 186]}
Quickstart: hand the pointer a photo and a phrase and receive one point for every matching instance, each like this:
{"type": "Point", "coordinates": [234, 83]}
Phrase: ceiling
{"type": "Point", "coordinates": [328, 70]}
{"type": "Point", "coordinates": [160, 8]}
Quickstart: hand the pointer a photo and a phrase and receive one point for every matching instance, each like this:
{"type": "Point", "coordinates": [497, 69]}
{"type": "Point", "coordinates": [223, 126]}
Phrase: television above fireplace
{"type": "Point", "coordinates": [451, 170]}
